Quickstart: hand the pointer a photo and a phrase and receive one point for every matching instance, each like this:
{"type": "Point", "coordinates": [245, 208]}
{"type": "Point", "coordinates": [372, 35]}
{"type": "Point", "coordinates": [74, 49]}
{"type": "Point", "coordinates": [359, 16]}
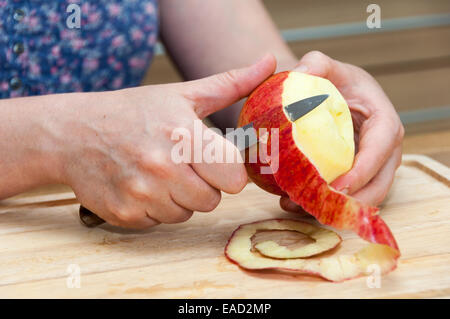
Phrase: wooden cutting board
{"type": "Point", "coordinates": [43, 245]}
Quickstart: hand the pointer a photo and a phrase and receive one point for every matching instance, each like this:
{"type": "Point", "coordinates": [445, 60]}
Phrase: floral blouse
{"type": "Point", "coordinates": [56, 46]}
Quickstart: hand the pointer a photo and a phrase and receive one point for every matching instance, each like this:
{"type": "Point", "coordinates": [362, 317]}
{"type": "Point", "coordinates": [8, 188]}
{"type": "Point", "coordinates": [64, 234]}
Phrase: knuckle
{"type": "Point", "coordinates": [183, 131]}
{"type": "Point", "coordinates": [318, 58]}
{"type": "Point", "coordinates": [137, 189]}
{"type": "Point", "coordinates": [177, 128]}
{"type": "Point", "coordinates": [230, 78]}
{"type": "Point", "coordinates": [157, 163]}
{"type": "Point", "coordinates": [121, 215]}
{"type": "Point", "coordinates": [167, 129]}
{"type": "Point", "coordinates": [316, 54]}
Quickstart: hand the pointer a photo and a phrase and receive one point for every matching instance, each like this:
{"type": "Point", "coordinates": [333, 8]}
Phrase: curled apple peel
{"type": "Point", "coordinates": [335, 268]}
{"type": "Point", "coordinates": [321, 239]}
{"type": "Point", "coordinates": [311, 153]}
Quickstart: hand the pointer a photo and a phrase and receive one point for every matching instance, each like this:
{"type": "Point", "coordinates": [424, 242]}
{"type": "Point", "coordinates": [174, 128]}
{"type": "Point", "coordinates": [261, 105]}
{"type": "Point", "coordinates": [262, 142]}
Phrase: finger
{"type": "Point", "coordinates": [377, 139]}
{"type": "Point", "coordinates": [167, 211]}
{"type": "Point", "coordinates": [192, 192]}
{"type": "Point", "coordinates": [377, 189]}
{"type": "Point", "coordinates": [148, 203]}
{"type": "Point", "coordinates": [117, 212]}
{"type": "Point", "coordinates": [216, 92]}
{"type": "Point", "coordinates": [143, 222]}
{"type": "Point", "coordinates": [291, 207]}
{"type": "Point", "coordinates": [129, 209]}
{"type": "Point", "coordinates": [128, 216]}
{"type": "Point", "coordinates": [221, 164]}
{"type": "Point", "coordinates": [319, 64]}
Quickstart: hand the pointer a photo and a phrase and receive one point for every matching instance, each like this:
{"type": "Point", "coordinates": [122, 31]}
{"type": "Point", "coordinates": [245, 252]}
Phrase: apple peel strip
{"type": "Point", "coordinates": [265, 110]}
{"type": "Point", "coordinates": [337, 210]}
{"type": "Point", "coordinates": [334, 268]}
{"type": "Point", "coordinates": [323, 239]}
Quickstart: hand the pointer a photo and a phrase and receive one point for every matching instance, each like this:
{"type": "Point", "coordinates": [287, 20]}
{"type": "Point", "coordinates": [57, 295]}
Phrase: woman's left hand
{"type": "Point", "coordinates": [378, 130]}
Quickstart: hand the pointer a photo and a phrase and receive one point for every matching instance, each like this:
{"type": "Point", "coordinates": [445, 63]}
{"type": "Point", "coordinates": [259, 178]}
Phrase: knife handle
{"type": "Point", "coordinates": [89, 219]}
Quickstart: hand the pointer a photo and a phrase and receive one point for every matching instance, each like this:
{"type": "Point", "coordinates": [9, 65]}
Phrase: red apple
{"type": "Point", "coordinates": [313, 151]}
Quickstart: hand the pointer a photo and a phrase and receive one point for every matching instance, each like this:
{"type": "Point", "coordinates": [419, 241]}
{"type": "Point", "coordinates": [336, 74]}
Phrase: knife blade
{"type": "Point", "coordinates": [246, 136]}
{"type": "Point", "coordinates": [249, 138]}
{"type": "Point", "coordinates": [300, 108]}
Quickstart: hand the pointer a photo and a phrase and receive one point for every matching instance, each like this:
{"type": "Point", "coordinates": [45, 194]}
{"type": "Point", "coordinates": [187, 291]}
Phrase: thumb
{"type": "Point", "coordinates": [319, 64]}
{"type": "Point", "coordinates": [218, 91]}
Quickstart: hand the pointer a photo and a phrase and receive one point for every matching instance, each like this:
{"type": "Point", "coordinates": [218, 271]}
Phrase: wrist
{"type": "Point", "coordinates": [48, 125]}
{"type": "Point", "coordinates": [31, 146]}
{"type": "Point", "coordinates": [76, 130]}
{"type": "Point", "coordinates": [60, 135]}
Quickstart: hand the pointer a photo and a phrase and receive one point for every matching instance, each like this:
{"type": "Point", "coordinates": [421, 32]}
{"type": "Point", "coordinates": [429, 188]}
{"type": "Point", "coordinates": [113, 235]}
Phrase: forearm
{"type": "Point", "coordinates": [29, 143]}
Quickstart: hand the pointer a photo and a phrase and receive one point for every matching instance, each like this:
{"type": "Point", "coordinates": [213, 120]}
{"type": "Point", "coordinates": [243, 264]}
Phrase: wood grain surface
{"type": "Point", "coordinates": [40, 241]}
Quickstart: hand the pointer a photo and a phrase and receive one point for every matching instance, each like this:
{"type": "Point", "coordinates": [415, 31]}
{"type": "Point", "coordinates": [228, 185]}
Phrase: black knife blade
{"type": "Point", "coordinates": [300, 108]}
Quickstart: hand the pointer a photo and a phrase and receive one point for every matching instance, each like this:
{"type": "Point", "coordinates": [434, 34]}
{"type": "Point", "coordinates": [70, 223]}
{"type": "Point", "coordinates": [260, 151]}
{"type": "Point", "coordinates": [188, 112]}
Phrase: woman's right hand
{"type": "Point", "coordinates": [116, 148]}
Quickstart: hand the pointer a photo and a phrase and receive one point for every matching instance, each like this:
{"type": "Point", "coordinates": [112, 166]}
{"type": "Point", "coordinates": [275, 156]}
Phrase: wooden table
{"type": "Point", "coordinates": [42, 245]}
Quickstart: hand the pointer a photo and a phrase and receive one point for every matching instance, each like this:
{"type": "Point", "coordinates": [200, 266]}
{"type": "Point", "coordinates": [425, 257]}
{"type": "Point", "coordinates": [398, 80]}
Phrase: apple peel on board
{"type": "Point", "coordinates": [321, 239]}
{"type": "Point", "coordinates": [312, 152]}
{"type": "Point", "coordinates": [335, 268]}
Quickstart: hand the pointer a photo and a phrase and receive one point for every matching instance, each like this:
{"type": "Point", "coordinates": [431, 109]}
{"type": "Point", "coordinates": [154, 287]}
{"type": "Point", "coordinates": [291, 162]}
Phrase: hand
{"type": "Point", "coordinates": [117, 148]}
{"type": "Point", "coordinates": [378, 129]}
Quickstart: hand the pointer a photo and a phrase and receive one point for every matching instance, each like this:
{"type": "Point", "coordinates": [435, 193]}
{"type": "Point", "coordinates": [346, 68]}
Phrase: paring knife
{"type": "Point", "coordinates": [294, 111]}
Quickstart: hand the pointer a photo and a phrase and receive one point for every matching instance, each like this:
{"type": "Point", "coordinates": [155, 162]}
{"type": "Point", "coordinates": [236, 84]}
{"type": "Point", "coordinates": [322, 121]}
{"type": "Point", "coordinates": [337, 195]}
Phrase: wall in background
{"type": "Point", "coordinates": [410, 58]}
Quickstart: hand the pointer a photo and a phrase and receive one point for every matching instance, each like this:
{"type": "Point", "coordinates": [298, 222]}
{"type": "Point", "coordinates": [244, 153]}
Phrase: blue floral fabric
{"type": "Point", "coordinates": [41, 52]}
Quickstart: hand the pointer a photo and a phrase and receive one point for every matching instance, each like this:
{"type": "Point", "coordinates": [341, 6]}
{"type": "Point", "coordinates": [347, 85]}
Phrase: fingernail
{"type": "Point", "coordinates": [301, 68]}
{"type": "Point", "coordinates": [344, 190]}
